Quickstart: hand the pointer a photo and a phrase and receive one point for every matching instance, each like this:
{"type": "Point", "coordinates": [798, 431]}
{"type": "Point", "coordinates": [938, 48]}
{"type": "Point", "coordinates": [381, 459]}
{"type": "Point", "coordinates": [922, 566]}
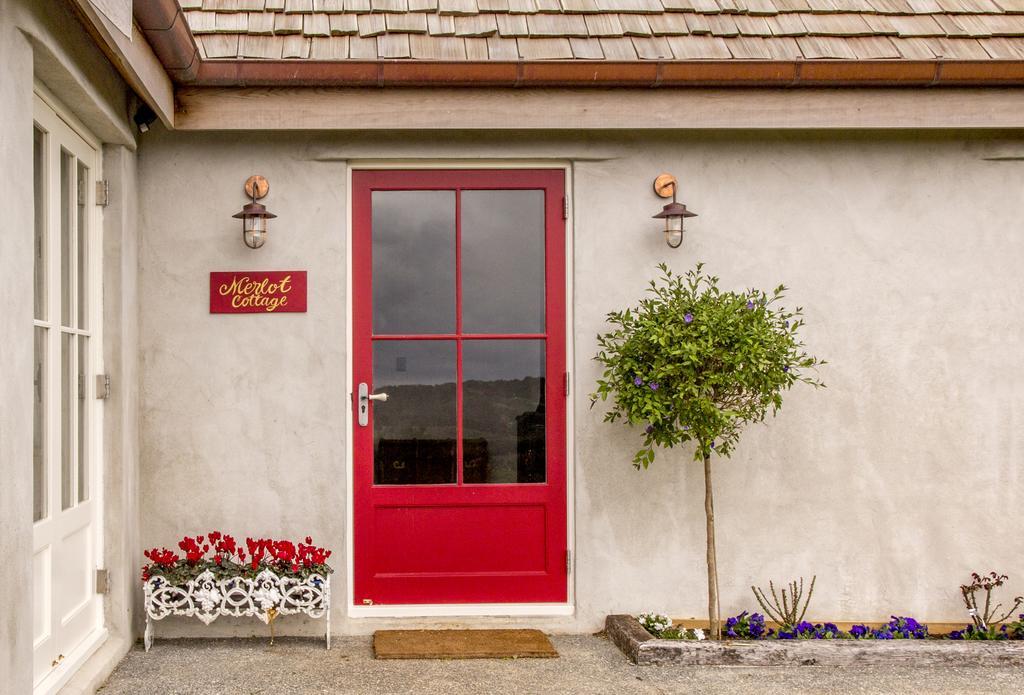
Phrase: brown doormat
{"type": "Point", "coordinates": [462, 644]}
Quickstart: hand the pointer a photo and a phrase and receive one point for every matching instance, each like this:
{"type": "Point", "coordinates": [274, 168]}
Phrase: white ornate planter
{"type": "Point", "coordinates": [266, 596]}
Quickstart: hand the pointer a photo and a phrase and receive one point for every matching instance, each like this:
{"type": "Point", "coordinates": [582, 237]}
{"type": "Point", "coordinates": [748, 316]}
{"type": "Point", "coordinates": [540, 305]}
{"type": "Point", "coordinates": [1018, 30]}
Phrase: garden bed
{"type": "Point", "coordinates": [642, 648]}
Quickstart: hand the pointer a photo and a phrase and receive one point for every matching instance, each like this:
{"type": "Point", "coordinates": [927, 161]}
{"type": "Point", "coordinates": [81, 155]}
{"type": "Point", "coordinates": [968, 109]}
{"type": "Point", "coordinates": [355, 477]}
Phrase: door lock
{"type": "Point", "coordinates": [364, 403]}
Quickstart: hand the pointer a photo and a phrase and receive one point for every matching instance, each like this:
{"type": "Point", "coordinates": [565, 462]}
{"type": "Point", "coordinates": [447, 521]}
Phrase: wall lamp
{"type": "Point", "coordinates": [674, 213]}
{"type": "Point", "coordinates": [254, 215]}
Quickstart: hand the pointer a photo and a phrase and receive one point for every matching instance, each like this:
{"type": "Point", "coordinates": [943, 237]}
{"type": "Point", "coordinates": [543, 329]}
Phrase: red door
{"type": "Point", "coordinates": [459, 319]}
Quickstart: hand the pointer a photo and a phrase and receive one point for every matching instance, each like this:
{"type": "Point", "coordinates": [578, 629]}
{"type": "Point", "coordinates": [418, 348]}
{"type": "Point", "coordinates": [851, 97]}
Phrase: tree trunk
{"type": "Point", "coordinates": [709, 512]}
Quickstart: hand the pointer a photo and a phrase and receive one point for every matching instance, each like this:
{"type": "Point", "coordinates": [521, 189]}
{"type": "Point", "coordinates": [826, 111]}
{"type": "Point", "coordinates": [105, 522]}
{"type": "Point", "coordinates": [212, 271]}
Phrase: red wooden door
{"type": "Point", "coordinates": [459, 318]}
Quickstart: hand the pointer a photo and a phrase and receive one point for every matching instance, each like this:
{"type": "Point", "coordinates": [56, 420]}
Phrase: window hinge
{"type": "Point", "coordinates": [565, 208]}
{"type": "Point", "coordinates": [102, 386]}
{"type": "Point", "coordinates": [568, 562]}
{"type": "Point", "coordinates": [103, 193]}
{"type": "Point", "coordinates": [102, 581]}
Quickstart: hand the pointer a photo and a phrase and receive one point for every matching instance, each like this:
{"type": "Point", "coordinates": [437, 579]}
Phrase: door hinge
{"type": "Point", "coordinates": [103, 193]}
{"type": "Point", "coordinates": [102, 581]}
{"type": "Point", "coordinates": [565, 208]}
{"type": "Point", "coordinates": [568, 562]}
{"type": "Point", "coordinates": [102, 386]}
{"type": "Point", "coordinates": [568, 385]}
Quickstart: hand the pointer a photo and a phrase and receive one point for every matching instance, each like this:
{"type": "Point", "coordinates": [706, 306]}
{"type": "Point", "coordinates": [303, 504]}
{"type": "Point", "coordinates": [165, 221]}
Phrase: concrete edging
{"type": "Point", "coordinates": [643, 649]}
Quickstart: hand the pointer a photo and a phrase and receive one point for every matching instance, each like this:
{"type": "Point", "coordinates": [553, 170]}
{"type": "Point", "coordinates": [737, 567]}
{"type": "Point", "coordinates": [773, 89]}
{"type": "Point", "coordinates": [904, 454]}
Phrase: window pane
{"type": "Point", "coordinates": [39, 183]}
{"type": "Point", "coordinates": [67, 202]}
{"type": "Point", "coordinates": [39, 501]}
{"type": "Point", "coordinates": [68, 396]}
{"type": "Point", "coordinates": [414, 432]}
{"type": "Point", "coordinates": [502, 261]}
{"type": "Point", "coordinates": [413, 262]}
{"type": "Point", "coordinates": [83, 425]}
{"type": "Point", "coordinates": [83, 248]}
{"type": "Point", "coordinates": [503, 411]}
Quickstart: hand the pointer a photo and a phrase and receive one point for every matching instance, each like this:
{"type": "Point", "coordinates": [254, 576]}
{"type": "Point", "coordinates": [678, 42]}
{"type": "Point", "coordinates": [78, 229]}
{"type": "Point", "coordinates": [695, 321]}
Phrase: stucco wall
{"type": "Point", "coordinates": [891, 485]}
{"type": "Point", "coordinates": [15, 356]}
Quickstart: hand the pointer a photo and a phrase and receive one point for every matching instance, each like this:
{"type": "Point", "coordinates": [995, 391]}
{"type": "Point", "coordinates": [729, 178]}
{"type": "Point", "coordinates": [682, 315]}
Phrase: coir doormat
{"type": "Point", "coordinates": [462, 644]}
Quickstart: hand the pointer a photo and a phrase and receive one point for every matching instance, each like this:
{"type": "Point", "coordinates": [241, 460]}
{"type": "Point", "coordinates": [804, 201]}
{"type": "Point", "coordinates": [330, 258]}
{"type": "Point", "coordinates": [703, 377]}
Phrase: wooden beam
{"type": "Point", "coordinates": [134, 60]}
{"type": "Point", "coordinates": [213, 108]}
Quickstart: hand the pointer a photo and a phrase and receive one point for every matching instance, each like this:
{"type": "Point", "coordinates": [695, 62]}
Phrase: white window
{"type": "Point", "coordinates": [67, 612]}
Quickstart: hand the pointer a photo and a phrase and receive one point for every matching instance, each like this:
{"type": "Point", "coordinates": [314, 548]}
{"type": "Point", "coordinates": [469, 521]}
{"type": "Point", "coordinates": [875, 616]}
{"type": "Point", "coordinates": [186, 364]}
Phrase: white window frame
{"type": "Point", "coordinates": [61, 126]}
{"type": "Point", "coordinates": [540, 610]}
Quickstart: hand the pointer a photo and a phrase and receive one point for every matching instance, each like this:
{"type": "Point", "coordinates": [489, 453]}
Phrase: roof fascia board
{"type": "Point", "coordinates": [354, 109]}
{"type": "Point", "coordinates": [134, 59]}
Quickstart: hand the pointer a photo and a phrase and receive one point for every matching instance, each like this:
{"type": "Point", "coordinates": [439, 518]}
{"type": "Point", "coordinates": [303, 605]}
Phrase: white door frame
{"type": "Point", "coordinates": [84, 621]}
{"type": "Point", "coordinates": [465, 609]}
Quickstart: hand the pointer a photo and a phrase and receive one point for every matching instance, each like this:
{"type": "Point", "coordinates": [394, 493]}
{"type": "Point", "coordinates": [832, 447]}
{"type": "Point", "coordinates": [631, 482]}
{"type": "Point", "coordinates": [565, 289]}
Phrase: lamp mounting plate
{"type": "Point", "coordinates": [256, 186]}
{"type": "Point", "coordinates": [665, 185]}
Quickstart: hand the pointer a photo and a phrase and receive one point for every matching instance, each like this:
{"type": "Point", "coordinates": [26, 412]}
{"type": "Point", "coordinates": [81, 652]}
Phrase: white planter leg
{"type": "Point", "coordinates": [148, 637]}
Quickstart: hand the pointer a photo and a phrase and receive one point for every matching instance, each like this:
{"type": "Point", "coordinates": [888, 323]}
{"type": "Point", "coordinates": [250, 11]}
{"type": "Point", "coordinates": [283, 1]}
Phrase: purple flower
{"type": "Point", "coordinates": [688, 318]}
{"type": "Point", "coordinates": [712, 445]}
{"type": "Point", "coordinates": [787, 324]}
{"type": "Point", "coordinates": [649, 429]}
{"type": "Point", "coordinates": [859, 631]}
{"type": "Point", "coordinates": [750, 304]}
{"type": "Point", "coordinates": [653, 385]}
{"type": "Point", "coordinates": [637, 381]}
{"type": "Point", "coordinates": [786, 368]}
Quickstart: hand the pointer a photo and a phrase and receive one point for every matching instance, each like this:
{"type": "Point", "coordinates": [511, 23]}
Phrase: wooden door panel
{"type": "Point", "coordinates": [459, 477]}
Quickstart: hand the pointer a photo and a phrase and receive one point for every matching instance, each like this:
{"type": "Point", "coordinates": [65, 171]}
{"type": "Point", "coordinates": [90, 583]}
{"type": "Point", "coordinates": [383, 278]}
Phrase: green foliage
{"type": "Point", "coordinates": [697, 363]}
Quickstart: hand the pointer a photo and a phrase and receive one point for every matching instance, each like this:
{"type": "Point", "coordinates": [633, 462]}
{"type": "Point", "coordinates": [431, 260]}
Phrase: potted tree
{"type": "Point", "coordinates": [695, 363]}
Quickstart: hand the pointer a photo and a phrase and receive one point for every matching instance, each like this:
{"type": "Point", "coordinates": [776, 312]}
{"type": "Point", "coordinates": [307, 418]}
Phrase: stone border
{"type": "Point", "coordinates": [644, 649]}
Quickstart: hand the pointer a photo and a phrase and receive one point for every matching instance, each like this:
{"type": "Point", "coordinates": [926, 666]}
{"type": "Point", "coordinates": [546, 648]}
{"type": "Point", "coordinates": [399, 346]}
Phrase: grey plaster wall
{"type": "Point", "coordinates": [121, 415]}
{"type": "Point", "coordinates": [15, 356]}
{"type": "Point", "coordinates": [891, 485]}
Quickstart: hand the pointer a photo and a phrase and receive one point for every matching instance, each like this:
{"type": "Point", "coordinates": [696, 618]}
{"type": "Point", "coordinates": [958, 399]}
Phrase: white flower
{"type": "Point", "coordinates": [698, 633]}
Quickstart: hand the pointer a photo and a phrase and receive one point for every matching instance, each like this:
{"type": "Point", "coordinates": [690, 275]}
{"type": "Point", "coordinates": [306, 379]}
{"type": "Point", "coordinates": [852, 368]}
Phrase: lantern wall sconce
{"type": "Point", "coordinates": [674, 213]}
{"type": "Point", "coordinates": [254, 215]}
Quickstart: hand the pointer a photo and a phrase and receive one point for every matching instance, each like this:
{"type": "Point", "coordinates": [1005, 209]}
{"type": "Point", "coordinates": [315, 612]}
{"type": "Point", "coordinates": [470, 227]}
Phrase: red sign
{"type": "Point", "coordinates": [258, 292]}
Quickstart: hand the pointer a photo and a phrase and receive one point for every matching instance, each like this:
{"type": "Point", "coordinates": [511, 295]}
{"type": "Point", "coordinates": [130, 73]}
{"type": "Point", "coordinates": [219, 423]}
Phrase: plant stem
{"type": "Point", "coordinates": [709, 512]}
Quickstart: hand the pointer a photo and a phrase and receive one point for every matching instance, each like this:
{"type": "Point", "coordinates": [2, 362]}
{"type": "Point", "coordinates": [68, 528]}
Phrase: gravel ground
{"type": "Point", "coordinates": [588, 664]}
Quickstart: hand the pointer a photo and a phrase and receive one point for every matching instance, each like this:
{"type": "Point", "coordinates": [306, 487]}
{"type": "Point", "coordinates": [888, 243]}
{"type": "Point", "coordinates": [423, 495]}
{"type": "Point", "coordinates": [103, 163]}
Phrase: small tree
{"type": "Point", "coordinates": [695, 363]}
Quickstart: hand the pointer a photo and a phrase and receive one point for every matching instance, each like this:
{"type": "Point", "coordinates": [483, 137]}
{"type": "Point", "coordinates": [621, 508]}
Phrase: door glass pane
{"type": "Point", "coordinates": [83, 428]}
{"type": "Point", "coordinates": [67, 202]}
{"type": "Point", "coordinates": [83, 248]}
{"type": "Point", "coordinates": [68, 396]}
{"type": "Point", "coordinates": [502, 261]}
{"type": "Point", "coordinates": [39, 506]}
{"type": "Point", "coordinates": [39, 184]}
{"type": "Point", "coordinates": [503, 411]}
{"type": "Point", "coordinates": [414, 432]}
{"type": "Point", "coordinates": [413, 262]}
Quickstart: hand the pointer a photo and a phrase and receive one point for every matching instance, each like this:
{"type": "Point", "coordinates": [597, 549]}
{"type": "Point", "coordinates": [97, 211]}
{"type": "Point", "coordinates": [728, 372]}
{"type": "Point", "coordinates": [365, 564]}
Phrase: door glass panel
{"type": "Point", "coordinates": [83, 428]}
{"type": "Point", "coordinates": [39, 506]}
{"type": "Point", "coordinates": [83, 247]}
{"type": "Point", "coordinates": [68, 396]}
{"type": "Point", "coordinates": [413, 262]}
{"type": "Point", "coordinates": [39, 184]}
{"type": "Point", "coordinates": [414, 432]}
{"type": "Point", "coordinates": [67, 198]}
{"type": "Point", "coordinates": [502, 261]}
{"type": "Point", "coordinates": [503, 411]}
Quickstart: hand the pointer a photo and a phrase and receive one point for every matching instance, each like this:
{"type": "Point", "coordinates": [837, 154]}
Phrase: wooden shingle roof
{"type": "Point", "coordinates": [608, 30]}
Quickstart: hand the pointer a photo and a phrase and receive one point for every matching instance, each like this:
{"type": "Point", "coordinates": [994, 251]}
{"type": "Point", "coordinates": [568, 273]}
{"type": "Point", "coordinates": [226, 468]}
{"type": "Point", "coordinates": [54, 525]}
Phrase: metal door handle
{"type": "Point", "coordinates": [364, 403]}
